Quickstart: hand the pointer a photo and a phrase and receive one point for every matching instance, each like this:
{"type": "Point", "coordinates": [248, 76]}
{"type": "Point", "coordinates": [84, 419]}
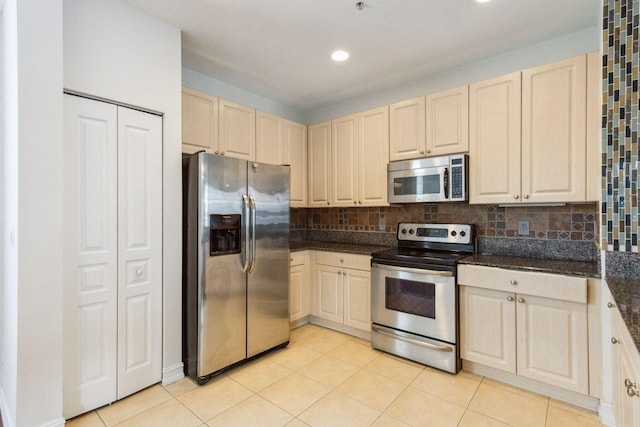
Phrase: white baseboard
{"type": "Point", "coordinates": [606, 414]}
{"type": "Point", "coordinates": [172, 374]}
{"type": "Point", "coordinates": [57, 423]}
{"type": "Point", "coordinates": [365, 335]}
{"type": "Point", "coordinates": [7, 421]}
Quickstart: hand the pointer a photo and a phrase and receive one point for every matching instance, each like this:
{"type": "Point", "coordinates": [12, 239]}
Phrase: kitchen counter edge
{"type": "Point", "coordinates": [351, 248]}
{"type": "Point", "coordinates": [540, 265]}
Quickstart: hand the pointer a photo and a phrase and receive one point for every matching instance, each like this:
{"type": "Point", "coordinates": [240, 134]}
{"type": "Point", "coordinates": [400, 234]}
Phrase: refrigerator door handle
{"type": "Point", "coordinates": [253, 233]}
{"type": "Point", "coordinates": [245, 256]}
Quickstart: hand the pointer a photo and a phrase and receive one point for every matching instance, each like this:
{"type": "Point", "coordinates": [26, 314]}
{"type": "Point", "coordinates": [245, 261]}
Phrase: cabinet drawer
{"type": "Point", "coordinates": [297, 258]}
{"type": "Point", "coordinates": [545, 285]}
{"type": "Point", "coordinates": [339, 259]}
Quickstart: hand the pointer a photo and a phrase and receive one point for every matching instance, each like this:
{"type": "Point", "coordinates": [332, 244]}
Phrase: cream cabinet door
{"type": "Point", "coordinates": [373, 157]}
{"type": "Point", "coordinates": [320, 164]}
{"type": "Point", "coordinates": [329, 293]}
{"type": "Point", "coordinates": [488, 327]}
{"type": "Point", "coordinates": [269, 139]}
{"type": "Point", "coordinates": [407, 129]}
{"type": "Point", "coordinates": [554, 132]}
{"type": "Point", "coordinates": [594, 123]}
{"type": "Point", "coordinates": [494, 140]}
{"type": "Point", "coordinates": [625, 373]}
{"type": "Point", "coordinates": [237, 130]}
{"type": "Point", "coordinates": [298, 292]}
{"type": "Point", "coordinates": [199, 121]}
{"type": "Point", "coordinates": [447, 122]}
{"type": "Point", "coordinates": [357, 298]}
{"type": "Point", "coordinates": [552, 342]}
{"type": "Point", "coordinates": [344, 161]}
{"type": "Point", "coordinates": [295, 154]}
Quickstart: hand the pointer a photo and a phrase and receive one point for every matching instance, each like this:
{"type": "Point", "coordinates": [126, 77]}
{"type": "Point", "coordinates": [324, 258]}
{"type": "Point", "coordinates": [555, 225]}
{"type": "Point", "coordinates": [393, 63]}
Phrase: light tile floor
{"type": "Point", "coordinates": [325, 378]}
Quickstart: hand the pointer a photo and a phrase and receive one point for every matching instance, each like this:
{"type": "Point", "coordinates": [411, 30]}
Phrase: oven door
{"type": "Point", "coordinates": [414, 300]}
{"type": "Point", "coordinates": [418, 185]}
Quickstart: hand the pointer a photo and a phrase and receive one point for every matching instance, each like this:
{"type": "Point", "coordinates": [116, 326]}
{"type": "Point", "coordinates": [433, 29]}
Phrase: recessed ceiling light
{"type": "Point", "coordinates": [339, 55]}
{"type": "Point", "coordinates": [483, 1]}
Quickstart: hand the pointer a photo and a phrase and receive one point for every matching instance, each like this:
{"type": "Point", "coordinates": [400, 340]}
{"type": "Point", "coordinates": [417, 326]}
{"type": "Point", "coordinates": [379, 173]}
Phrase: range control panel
{"type": "Point", "coordinates": [443, 233]}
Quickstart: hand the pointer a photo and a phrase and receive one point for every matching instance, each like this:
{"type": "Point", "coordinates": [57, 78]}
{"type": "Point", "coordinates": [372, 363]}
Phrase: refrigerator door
{"type": "Point", "coordinates": [222, 284]}
{"type": "Point", "coordinates": [268, 278]}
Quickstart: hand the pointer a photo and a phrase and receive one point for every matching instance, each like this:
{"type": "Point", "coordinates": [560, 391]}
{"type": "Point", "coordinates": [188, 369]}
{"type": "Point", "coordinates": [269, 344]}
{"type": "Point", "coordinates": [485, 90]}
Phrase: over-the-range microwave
{"type": "Point", "coordinates": [431, 179]}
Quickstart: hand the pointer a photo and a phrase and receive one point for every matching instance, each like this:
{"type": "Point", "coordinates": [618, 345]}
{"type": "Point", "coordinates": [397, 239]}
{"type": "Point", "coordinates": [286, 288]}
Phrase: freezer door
{"type": "Point", "coordinates": [268, 279]}
{"type": "Point", "coordinates": [222, 284]}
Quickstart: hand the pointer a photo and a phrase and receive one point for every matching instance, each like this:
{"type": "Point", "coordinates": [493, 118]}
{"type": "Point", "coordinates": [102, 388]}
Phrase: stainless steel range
{"type": "Point", "coordinates": [414, 297]}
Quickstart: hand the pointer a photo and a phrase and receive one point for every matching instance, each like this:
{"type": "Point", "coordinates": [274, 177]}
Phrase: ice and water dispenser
{"type": "Point", "coordinates": [224, 234]}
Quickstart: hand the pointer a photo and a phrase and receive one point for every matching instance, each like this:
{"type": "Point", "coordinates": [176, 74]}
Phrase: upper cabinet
{"type": "Point", "coordinates": [237, 130]}
{"type": "Point", "coordinates": [295, 155]}
{"type": "Point", "coordinates": [447, 124]}
{"type": "Point", "coordinates": [407, 129]}
{"type": "Point", "coordinates": [359, 158]}
{"type": "Point", "coordinates": [199, 121]}
{"type": "Point", "coordinates": [269, 139]}
{"type": "Point", "coordinates": [373, 157]}
{"type": "Point", "coordinates": [319, 164]}
{"type": "Point", "coordinates": [217, 126]}
{"type": "Point", "coordinates": [528, 135]}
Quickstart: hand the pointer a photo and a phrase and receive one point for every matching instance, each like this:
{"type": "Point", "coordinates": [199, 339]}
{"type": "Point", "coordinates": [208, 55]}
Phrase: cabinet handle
{"type": "Point", "coordinates": [222, 153]}
{"type": "Point", "coordinates": [610, 304]}
{"type": "Point", "coordinates": [428, 151]}
{"type": "Point", "coordinates": [341, 259]}
{"type": "Point", "coordinates": [614, 340]}
{"type": "Point", "coordinates": [355, 203]}
{"type": "Point", "coordinates": [515, 196]}
{"type": "Point", "coordinates": [421, 151]}
{"type": "Point", "coordinates": [514, 282]}
{"type": "Point", "coordinates": [526, 196]}
{"type": "Point", "coordinates": [632, 391]}
{"type": "Point", "coordinates": [360, 202]}
{"type": "Point", "coordinates": [216, 152]}
{"type": "Point", "coordinates": [344, 273]}
{"type": "Point", "coordinates": [509, 299]}
{"type": "Point", "coordinates": [328, 203]}
{"type": "Point", "coordinates": [521, 300]}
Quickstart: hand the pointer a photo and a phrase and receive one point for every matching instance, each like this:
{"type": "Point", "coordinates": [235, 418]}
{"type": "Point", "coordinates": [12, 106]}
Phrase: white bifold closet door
{"type": "Point", "coordinates": [112, 253]}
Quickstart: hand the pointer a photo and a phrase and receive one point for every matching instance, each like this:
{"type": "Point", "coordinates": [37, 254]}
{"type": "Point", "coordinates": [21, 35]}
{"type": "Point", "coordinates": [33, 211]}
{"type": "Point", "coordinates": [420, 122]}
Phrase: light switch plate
{"type": "Point", "coordinates": [523, 228]}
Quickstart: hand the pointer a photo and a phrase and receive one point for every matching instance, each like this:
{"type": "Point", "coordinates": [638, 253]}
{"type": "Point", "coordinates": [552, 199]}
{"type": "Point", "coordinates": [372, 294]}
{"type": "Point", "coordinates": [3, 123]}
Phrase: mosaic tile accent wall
{"type": "Point", "coordinates": [621, 65]}
{"type": "Point", "coordinates": [577, 222]}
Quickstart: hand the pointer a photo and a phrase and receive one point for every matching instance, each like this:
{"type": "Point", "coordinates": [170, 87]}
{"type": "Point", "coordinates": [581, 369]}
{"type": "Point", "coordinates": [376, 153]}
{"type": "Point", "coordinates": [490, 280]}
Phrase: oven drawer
{"type": "Point", "coordinates": [545, 285]}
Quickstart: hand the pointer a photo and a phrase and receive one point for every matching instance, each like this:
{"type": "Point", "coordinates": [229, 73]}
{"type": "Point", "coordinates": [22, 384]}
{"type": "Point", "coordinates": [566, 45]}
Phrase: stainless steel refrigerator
{"type": "Point", "coordinates": [235, 261]}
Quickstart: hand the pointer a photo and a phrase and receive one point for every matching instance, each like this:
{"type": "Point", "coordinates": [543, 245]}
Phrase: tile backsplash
{"type": "Point", "coordinates": [573, 222]}
{"type": "Point", "coordinates": [621, 66]}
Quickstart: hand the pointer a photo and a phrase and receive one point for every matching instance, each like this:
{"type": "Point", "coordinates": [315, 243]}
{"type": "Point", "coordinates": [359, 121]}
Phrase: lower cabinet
{"type": "Point", "coordinates": [342, 289]}
{"type": "Point", "coordinates": [299, 292]}
{"type": "Point", "coordinates": [533, 325]}
{"type": "Point", "coordinates": [625, 372]}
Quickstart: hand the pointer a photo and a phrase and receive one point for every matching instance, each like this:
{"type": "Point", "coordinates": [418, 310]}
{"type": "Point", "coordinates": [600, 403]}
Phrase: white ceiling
{"type": "Point", "coordinates": [279, 49]}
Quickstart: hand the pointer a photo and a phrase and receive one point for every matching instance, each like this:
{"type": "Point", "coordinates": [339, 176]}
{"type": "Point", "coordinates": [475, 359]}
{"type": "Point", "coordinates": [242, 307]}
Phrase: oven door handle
{"type": "Point", "coordinates": [411, 340]}
{"type": "Point", "coordinates": [412, 270]}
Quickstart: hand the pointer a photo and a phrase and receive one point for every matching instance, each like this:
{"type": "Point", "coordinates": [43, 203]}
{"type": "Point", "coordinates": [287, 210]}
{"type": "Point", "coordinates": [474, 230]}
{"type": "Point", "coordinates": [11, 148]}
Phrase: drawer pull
{"type": "Point", "coordinates": [614, 340]}
{"type": "Point", "coordinates": [610, 304]}
{"type": "Point", "coordinates": [509, 299]}
{"type": "Point", "coordinates": [514, 282]}
{"type": "Point", "coordinates": [521, 300]}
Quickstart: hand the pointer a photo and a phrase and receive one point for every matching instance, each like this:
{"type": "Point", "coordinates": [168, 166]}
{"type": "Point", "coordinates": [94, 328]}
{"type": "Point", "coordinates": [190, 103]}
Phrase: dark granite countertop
{"type": "Point", "coordinates": [626, 294]}
{"type": "Point", "coordinates": [542, 265]}
{"type": "Point", "coordinates": [301, 245]}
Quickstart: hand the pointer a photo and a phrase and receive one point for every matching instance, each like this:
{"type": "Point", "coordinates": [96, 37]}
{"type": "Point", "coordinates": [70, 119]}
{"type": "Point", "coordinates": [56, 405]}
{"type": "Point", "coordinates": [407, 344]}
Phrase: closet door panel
{"type": "Point", "coordinates": [139, 251]}
{"type": "Point", "coordinates": [90, 255]}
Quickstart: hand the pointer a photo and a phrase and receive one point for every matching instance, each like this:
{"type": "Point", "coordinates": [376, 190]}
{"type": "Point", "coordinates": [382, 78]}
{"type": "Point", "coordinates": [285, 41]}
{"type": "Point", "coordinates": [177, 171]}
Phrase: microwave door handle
{"type": "Point", "coordinates": [445, 183]}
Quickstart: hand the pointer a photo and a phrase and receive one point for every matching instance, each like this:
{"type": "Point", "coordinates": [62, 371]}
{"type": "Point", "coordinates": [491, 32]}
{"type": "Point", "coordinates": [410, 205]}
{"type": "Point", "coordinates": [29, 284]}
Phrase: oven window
{"type": "Point", "coordinates": [410, 297]}
{"type": "Point", "coordinates": [425, 184]}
